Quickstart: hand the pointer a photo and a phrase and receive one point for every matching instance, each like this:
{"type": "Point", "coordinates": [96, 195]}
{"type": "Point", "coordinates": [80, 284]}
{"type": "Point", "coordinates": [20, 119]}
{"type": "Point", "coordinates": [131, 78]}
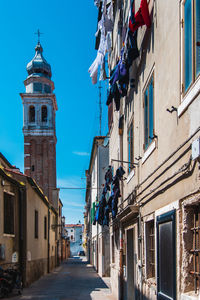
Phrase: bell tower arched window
{"type": "Point", "coordinates": [32, 114]}
{"type": "Point", "coordinates": [44, 113]}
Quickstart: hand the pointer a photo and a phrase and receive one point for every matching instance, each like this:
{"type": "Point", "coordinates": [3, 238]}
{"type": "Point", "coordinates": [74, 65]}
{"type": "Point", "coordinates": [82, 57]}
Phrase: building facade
{"type": "Point", "coordinates": [154, 129]}
{"type": "Point", "coordinates": [97, 237]}
{"type": "Point", "coordinates": [29, 238]}
{"type": "Point", "coordinates": [74, 233]}
{"type": "Point", "coordinates": [40, 106]}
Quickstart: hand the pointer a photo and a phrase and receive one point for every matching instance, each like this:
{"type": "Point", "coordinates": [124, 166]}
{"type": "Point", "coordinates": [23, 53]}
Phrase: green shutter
{"type": "Point", "coordinates": [188, 43]}
{"type": "Point", "coordinates": [146, 121]}
{"type": "Point", "coordinates": [151, 121]}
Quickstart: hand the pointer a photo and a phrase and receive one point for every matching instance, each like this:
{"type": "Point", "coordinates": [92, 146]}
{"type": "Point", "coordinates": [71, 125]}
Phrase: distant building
{"type": "Point", "coordinates": [75, 234]}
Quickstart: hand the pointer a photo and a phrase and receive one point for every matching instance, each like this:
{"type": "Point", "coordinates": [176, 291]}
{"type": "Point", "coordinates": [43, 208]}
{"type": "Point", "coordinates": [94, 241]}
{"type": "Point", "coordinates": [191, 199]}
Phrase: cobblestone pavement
{"type": "Point", "coordinates": [75, 279]}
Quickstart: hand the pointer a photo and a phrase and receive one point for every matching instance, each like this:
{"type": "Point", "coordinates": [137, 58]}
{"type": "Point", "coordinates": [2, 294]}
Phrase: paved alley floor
{"type": "Point", "coordinates": [75, 279]}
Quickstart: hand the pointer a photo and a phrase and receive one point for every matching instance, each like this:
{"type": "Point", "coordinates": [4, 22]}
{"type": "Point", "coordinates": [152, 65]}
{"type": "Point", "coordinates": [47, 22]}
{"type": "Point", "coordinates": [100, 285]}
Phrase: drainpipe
{"type": "Point", "coordinates": [22, 234]}
{"type": "Point", "coordinates": [121, 292]}
{"type": "Point", "coordinates": [140, 247]}
{"type": "Point", "coordinates": [48, 245]}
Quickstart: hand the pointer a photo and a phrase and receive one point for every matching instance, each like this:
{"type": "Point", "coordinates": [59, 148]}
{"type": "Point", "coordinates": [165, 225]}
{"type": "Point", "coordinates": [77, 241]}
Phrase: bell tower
{"type": "Point", "coordinates": [39, 107]}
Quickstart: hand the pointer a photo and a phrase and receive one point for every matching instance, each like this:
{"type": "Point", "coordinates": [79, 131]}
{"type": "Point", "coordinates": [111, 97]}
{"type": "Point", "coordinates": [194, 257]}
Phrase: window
{"type": "Point", "coordinates": [195, 251]}
{"type": "Point", "coordinates": [37, 87]}
{"type": "Point", "coordinates": [149, 114]}
{"type": "Point", "coordinates": [71, 237]}
{"type": "Point", "coordinates": [31, 114]}
{"type": "Point", "coordinates": [80, 237]}
{"type": "Point", "coordinates": [47, 89]}
{"type": "Point", "coordinates": [44, 113]}
{"type": "Point", "coordinates": [150, 249]}
{"type": "Point", "coordinates": [71, 230]}
{"type": "Point", "coordinates": [191, 38]}
{"type": "Point", "coordinates": [45, 227]}
{"type": "Point", "coordinates": [130, 147]}
{"type": "Point", "coordinates": [8, 214]}
{"type": "Point", "coordinates": [36, 224]}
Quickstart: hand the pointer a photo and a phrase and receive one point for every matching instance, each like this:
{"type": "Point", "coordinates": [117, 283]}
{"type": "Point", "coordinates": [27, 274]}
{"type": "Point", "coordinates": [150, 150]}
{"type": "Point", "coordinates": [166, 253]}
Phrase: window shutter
{"type": "Point", "coordinates": [146, 134]}
{"type": "Point", "coordinates": [197, 37]}
{"type": "Point", "coordinates": [188, 43]}
{"type": "Point", "coordinates": [151, 120]}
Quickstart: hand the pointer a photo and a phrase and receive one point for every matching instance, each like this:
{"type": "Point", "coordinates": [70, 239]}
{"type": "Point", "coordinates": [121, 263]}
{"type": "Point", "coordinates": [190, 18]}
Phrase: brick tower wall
{"type": "Point", "coordinates": [40, 162]}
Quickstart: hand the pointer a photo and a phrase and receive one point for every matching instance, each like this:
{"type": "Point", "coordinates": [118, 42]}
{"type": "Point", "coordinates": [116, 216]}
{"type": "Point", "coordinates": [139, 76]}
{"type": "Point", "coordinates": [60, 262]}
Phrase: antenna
{"type": "Point", "coordinates": [100, 108]}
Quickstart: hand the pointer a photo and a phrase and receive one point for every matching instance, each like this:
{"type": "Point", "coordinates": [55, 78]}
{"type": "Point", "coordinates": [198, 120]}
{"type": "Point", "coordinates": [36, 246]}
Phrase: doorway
{"type": "Point", "coordinates": [131, 290]}
{"type": "Point", "coordinates": [166, 256]}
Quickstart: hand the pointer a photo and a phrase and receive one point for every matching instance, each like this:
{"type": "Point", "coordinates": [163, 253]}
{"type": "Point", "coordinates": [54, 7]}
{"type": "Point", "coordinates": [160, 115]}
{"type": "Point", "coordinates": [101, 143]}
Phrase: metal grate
{"type": "Point", "coordinates": [196, 249]}
{"type": "Point", "coordinates": [152, 249]}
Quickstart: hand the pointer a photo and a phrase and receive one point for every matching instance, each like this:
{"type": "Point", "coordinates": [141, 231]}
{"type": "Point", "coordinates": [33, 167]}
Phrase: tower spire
{"type": "Point", "coordinates": [38, 34]}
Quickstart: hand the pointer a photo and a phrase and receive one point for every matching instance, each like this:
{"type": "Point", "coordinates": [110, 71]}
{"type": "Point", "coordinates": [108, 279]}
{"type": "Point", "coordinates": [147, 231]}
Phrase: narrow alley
{"type": "Point", "coordinates": [74, 279]}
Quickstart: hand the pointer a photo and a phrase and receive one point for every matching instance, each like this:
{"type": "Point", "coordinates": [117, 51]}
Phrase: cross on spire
{"type": "Point", "coordinates": [39, 34]}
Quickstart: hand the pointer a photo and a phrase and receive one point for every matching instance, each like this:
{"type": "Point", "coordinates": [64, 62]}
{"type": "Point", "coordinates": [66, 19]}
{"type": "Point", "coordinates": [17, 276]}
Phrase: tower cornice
{"type": "Point", "coordinates": [40, 96]}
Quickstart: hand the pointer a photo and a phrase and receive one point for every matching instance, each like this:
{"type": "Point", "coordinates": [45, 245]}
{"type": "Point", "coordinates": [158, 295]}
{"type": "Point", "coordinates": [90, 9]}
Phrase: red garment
{"type": "Point", "coordinates": [141, 17]}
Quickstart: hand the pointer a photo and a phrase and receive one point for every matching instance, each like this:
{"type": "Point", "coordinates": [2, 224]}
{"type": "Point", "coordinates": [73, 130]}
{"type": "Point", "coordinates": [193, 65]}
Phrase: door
{"type": "Point", "coordinates": [166, 256]}
{"type": "Point", "coordinates": [131, 291]}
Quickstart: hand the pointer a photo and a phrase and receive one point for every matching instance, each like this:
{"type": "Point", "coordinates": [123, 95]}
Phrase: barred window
{"type": "Point", "coordinates": [150, 249]}
{"type": "Point", "coordinates": [196, 248]}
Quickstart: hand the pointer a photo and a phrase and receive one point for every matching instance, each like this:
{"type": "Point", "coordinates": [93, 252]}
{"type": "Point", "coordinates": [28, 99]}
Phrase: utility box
{"type": "Point", "coordinates": [196, 149]}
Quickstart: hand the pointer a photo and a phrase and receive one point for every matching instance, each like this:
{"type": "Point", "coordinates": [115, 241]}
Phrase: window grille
{"type": "Point", "coordinates": [196, 249]}
{"type": "Point", "coordinates": [150, 245]}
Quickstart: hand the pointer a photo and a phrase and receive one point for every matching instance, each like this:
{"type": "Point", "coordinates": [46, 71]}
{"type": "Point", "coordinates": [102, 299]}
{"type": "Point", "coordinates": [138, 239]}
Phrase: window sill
{"type": "Point", "coordinates": [189, 296]}
{"type": "Point", "coordinates": [130, 176]}
{"type": "Point", "coordinates": [189, 97]}
{"type": "Point", "coordinates": [9, 235]}
{"type": "Point", "coordinates": [148, 152]}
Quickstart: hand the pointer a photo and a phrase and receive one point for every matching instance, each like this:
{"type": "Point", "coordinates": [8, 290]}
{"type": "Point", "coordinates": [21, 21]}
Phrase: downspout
{"type": "Point", "coordinates": [97, 198]}
{"type": "Point", "coordinates": [140, 249]}
{"type": "Point", "coordinates": [48, 238]}
{"type": "Point", "coordinates": [22, 234]}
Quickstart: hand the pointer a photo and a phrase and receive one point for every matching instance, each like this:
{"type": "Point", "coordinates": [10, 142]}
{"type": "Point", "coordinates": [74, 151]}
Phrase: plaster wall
{"type": "Point", "coordinates": [9, 242]}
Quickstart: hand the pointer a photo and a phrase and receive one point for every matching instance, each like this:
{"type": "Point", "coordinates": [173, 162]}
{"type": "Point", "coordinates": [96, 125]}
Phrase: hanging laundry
{"type": "Point", "coordinates": [98, 34]}
{"type": "Point", "coordinates": [120, 172]}
{"type": "Point", "coordinates": [103, 75]}
{"type": "Point", "coordinates": [105, 26]}
{"type": "Point", "coordinates": [97, 2]}
{"type": "Point", "coordinates": [93, 70]}
{"type": "Point", "coordinates": [114, 94]}
{"type": "Point", "coordinates": [141, 18]}
{"type": "Point", "coordinates": [133, 52]}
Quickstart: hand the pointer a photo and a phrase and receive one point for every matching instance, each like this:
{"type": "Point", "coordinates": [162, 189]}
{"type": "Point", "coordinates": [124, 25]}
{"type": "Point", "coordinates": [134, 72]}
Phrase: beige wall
{"type": "Point", "coordinates": [9, 241]}
{"type": "Point", "coordinates": [165, 175]}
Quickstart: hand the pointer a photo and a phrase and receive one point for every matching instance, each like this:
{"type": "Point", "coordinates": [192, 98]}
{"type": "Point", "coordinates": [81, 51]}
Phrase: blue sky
{"type": "Point", "coordinates": [68, 44]}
